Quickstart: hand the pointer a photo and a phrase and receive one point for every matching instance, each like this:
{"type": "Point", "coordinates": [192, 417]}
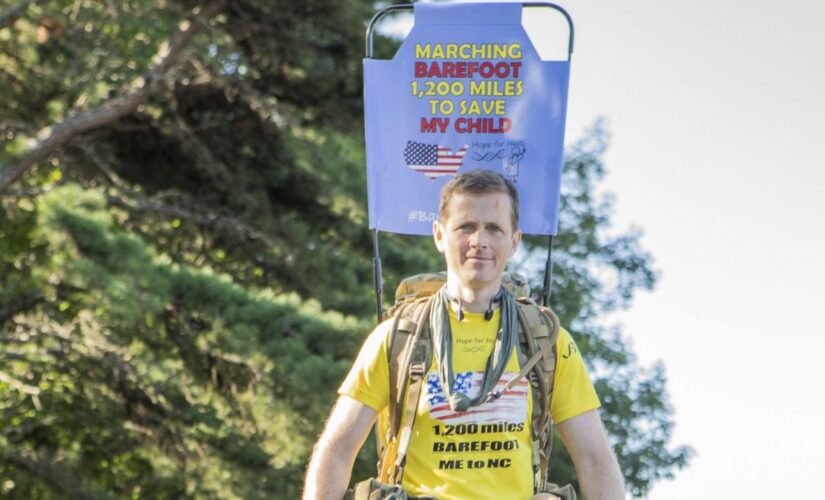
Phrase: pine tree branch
{"type": "Point", "coordinates": [8, 18]}
{"type": "Point", "coordinates": [266, 107]}
{"type": "Point", "coordinates": [55, 136]}
{"type": "Point", "coordinates": [200, 216]}
{"type": "Point", "coordinates": [57, 477]}
{"type": "Point", "coordinates": [18, 306]}
{"type": "Point", "coordinates": [18, 385]}
{"type": "Point", "coordinates": [84, 342]}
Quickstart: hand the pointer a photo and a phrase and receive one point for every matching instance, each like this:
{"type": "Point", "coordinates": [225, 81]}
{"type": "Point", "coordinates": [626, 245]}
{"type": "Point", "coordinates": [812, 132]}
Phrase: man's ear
{"type": "Point", "coordinates": [516, 242]}
{"type": "Point", "coordinates": [438, 236]}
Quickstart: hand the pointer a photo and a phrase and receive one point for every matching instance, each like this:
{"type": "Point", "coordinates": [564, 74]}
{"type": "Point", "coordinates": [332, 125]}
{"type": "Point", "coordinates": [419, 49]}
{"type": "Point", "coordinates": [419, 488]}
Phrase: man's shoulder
{"type": "Point", "coordinates": [384, 328]}
{"type": "Point", "coordinates": [564, 336]}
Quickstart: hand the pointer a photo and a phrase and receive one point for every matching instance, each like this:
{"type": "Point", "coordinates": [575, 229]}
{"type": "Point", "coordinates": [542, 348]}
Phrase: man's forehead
{"type": "Point", "coordinates": [493, 206]}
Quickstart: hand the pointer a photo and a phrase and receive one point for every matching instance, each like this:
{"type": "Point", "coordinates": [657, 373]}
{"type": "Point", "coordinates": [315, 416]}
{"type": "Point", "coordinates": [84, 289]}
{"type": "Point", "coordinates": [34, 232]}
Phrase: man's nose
{"type": "Point", "coordinates": [478, 240]}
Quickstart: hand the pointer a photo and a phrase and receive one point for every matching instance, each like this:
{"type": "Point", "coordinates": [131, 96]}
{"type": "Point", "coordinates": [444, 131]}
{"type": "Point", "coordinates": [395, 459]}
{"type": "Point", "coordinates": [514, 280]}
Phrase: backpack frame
{"type": "Point", "coordinates": [410, 355]}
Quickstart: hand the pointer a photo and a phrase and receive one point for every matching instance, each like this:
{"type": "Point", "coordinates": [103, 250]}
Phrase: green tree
{"type": "Point", "coordinates": [185, 270]}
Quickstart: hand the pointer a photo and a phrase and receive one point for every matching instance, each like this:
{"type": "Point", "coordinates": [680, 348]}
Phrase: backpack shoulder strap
{"type": "Point", "coordinates": [405, 349]}
{"type": "Point", "coordinates": [542, 324]}
{"type": "Point", "coordinates": [409, 356]}
{"type": "Point", "coordinates": [538, 333]}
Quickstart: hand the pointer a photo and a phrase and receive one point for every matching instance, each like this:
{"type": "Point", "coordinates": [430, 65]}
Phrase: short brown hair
{"type": "Point", "coordinates": [479, 182]}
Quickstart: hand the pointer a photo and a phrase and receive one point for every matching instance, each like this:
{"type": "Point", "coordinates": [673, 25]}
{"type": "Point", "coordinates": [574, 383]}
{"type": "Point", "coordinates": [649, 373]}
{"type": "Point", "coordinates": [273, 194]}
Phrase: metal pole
{"type": "Point", "coordinates": [548, 266]}
{"type": "Point", "coordinates": [377, 17]}
{"type": "Point", "coordinates": [548, 271]}
{"type": "Point", "coordinates": [378, 281]}
{"type": "Point", "coordinates": [567, 17]}
{"type": "Point", "coordinates": [376, 274]}
{"type": "Point", "coordinates": [401, 7]}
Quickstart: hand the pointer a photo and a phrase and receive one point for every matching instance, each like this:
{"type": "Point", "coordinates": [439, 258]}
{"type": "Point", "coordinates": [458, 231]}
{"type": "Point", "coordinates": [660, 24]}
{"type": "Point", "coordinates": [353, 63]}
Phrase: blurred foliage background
{"type": "Point", "coordinates": [185, 265]}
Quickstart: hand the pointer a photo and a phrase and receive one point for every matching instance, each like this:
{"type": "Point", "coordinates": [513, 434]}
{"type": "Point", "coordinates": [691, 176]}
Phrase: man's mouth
{"type": "Point", "coordinates": [478, 257]}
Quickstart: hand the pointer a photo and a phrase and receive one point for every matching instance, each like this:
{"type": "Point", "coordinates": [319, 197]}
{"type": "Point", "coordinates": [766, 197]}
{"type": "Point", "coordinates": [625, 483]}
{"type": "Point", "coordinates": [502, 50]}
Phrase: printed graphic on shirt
{"type": "Point", "coordinates": [511, 407]}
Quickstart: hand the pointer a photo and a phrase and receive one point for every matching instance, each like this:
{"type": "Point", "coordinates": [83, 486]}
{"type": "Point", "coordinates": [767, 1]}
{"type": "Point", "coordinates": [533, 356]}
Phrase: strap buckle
{"type": "Point", "coordinates": [493, 395]}
{"type": "Point", "coordinates": [417, 370]}
{"type": "Point", "coordinates": [397, 475]}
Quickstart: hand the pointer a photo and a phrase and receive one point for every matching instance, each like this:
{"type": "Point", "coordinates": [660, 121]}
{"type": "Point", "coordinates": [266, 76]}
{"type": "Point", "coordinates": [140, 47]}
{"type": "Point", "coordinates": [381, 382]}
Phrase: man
{"type": "Point", "coordinates": [483, 451]}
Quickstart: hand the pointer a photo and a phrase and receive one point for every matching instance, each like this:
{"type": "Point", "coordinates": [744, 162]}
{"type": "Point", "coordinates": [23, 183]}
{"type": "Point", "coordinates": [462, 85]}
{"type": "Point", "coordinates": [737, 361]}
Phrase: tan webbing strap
{"type": "Point", "coordinates": [530, 321]}
{"type": "Point", "coordinates": [547, 333]}
{"type": "Point", "coordinates": [418, 324]}
{"type": "Point", "coordinates": [515, 380]}
{"type": "Point", "coordinates": [548, 345]}
{"type": "Point", "coordinates": [400, 333]}
{"type": "Point", "coordinates": [411, 374]}
{"type": "Point", "coordinates": [417, 371]}
{"type": "Point", "coordinates": [398, 352]}
{"type": "Point", "coordinates": [400, 343]}
{"type": "Point", "coordinates": [550, 368]}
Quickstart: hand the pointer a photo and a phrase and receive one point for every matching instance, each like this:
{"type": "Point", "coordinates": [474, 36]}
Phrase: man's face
{"type": "Point", "coordinates": [477, 238]}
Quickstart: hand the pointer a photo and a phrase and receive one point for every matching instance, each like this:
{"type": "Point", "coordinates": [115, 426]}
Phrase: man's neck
{"type": "Point", "coordinates": [474, 300]}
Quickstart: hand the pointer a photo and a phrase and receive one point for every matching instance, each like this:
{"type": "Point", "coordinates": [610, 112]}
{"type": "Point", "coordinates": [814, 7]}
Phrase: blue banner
{"type": "Point", "coordinates": [466, 90]}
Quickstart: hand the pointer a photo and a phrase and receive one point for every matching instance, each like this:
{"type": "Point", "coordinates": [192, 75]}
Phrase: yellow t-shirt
{"type": "Point", "coordinates": [485, 452]}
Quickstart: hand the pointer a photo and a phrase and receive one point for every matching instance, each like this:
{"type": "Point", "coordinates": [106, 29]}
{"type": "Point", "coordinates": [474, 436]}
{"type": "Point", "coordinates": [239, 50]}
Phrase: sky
{"type": "Point", "coordinates": [716, 111]}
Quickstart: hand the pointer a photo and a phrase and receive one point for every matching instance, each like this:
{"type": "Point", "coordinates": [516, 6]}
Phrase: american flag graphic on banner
{"type": "Point", "coordinates": [433, 160]}
{"type": "Point", "coordinates": [511, 407]}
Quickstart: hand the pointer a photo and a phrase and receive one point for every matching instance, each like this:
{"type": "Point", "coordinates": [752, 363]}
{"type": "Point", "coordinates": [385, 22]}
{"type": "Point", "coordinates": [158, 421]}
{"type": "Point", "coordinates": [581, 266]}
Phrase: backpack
{"type": "Point", "coordinates": [410, 354]}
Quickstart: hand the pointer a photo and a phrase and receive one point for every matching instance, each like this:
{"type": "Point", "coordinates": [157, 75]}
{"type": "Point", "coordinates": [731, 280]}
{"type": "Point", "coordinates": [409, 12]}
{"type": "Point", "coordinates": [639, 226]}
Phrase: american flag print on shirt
{"type": "Point", "coordinates": [433, 160]}
{"type": "Point", "coordinates": [511, 407]}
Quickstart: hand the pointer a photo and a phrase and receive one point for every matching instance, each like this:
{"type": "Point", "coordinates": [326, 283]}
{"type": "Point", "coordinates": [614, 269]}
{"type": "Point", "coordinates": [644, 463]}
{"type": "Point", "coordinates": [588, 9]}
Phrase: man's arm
{"type": "Point", "coordinates": [330, 468]}
{"type": "Point", "coordinates": [596, 465]}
